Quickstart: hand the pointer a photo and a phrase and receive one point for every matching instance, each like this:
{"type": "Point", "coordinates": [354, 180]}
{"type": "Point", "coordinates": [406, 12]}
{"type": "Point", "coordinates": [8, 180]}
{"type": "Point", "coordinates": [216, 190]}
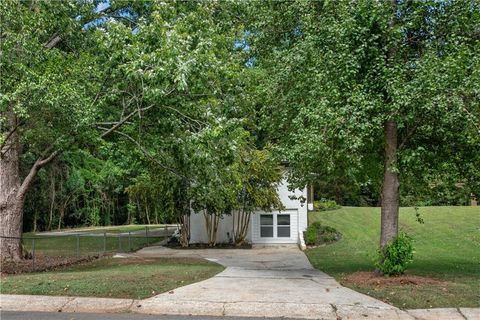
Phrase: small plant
{"type": "Point", "coordinates": [311, 236]}
{"type": "Point", "coordinates": [418, 217]}
{"type": "Point", "coordinates": [326, 205]}
{"type": "Point", "coordinates": [395, 256]}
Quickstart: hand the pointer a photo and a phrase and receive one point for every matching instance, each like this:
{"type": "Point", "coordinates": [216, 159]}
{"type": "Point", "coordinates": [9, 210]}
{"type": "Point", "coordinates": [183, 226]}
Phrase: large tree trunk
{"type": "Point", "coordinates": [11, 206]}
{"type": "Point", "coordinates": [390, 188]}
{"type": "Point", "coordinates": [13, 190]}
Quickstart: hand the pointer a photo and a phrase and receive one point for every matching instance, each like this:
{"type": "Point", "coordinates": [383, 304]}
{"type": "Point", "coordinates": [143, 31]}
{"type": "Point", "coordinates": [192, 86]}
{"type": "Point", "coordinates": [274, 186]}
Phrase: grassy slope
{"type": "Point", "coordinates": [447, 248]}
{"type": "Point", "coordinates": [118, 278]}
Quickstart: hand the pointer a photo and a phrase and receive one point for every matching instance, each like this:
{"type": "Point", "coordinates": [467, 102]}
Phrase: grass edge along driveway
{"type": "Point", "coordinates": [133, 278]}
{"type": "Point", "coordinates": [447, 249]}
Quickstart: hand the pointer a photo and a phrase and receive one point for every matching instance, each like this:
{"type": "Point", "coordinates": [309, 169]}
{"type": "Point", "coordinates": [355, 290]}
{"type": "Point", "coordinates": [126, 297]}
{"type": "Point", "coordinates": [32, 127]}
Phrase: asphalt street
{"type": "Point", "coordinates": [14, 315]}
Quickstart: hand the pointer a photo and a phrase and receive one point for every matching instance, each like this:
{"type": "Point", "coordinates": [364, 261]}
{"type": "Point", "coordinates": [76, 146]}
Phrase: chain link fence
{"type": "Point", "coordinates": [45, 251]}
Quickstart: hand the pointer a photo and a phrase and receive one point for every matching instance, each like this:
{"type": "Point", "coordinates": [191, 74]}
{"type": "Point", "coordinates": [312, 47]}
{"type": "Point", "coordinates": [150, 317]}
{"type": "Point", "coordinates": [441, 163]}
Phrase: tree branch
{"type": "Point", "coordinates": [187, 117]}
{"type": "Point", "coordinates": [145, 152]}
{"type": "Point", "coordinates": [122, 121]}
{"type": "Point", "coordinates": [8, 136]}
{"type": "Point", "coordinates": [125, 119]}
{"type": "Point", "coordinates": [407, 137]}
{"type": "Point", "coordinates": [33, 172]}
{"type": "Point", "coordinates": [53, 41]}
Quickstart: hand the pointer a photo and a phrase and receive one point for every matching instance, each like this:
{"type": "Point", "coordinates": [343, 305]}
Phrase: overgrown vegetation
{"type": "Point", "coordinates": [126, 120]}
{"type": "Point", "coordinates": [118, 112]}
{"type": "Point", "coordinates": [379, 95]}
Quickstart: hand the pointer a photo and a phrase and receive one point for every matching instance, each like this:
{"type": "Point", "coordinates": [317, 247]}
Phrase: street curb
{"type": "Point", "coordinates": [33, 303]}
{"type": "Point", "coordinates": [446, 314]}
{"type": "Point", "coordinates": [10, 302]}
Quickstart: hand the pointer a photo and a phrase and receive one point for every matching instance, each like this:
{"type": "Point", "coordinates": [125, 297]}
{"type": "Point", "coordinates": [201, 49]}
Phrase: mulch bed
{"type": "Point", "coordinates": [321, 243]}
{"type": "Point", "coordinates": [177, 245]}
{"type": "Point", "coordinates": [42, 263]}
{"type": "Point", "coordinates": [375, 279]}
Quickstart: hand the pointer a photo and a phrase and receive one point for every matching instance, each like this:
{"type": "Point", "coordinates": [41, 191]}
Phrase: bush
{"type": "Point", "coordinates": [325, 205]}
{"type": "Point", "coordinates": [317, 226]}
{"type": "Point", "coordinates": [318, 234]}
{"type": "Point", "coordinates": [311, 236]}
{"type": "Point", "coordinates": [329, 237]}
{"type": "Point", "coordinates": [395, 256]}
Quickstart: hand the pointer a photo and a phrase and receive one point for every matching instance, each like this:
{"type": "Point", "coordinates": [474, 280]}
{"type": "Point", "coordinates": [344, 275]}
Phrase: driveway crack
{"type": "Point", "coordinates": [130, 307]}
{"type": "Point", "coordinates": [223, 308]}
{"type": "Point", "coordinates": [65, 304]}
{"type": "Point", "coordinates": [334, 307]}
{"type": "Point", "coordinates": [461, 313]}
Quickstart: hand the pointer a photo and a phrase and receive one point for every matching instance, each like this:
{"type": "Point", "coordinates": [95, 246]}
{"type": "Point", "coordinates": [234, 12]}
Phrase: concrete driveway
{"type": "Point", "coordinates": [276, 281]}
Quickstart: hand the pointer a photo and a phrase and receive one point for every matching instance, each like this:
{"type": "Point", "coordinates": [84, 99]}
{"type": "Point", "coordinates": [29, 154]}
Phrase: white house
{"type": "Point", "coordinates": [276, 227]}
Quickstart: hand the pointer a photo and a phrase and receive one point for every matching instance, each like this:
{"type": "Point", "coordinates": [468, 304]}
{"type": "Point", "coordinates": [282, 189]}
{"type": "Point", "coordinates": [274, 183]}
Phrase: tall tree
{"type": "Point", "coordinates": [181, 73]}
{"type": "Point", "coordinates": [48, 84]}
{"type": "Point", "coordinates": [142, 74]}
{"type": "Point", "coordinates": [395, 82]}
{"type": "Point", "coordinates": [259, 177]}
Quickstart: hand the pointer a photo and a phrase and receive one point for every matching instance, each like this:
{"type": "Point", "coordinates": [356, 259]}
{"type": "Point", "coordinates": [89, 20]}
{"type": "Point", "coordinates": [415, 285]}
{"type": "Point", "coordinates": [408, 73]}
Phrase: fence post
{"type": "Point", "coordinates": [146, 235]}
{"type": "Point", "coordinates": [119, 243]}
{"type": "Point", "coordinates": [33, 254]}
{"type": "Point", "coordinates": [78, 245]}
{"type": "Point", "coordinates": [129, 241]}
{"type": "Point", "coordinates": [104, 242]}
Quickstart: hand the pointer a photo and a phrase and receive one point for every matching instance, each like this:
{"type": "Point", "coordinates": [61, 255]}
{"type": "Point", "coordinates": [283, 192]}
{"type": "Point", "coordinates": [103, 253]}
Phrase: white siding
{"type": "Point", "coordinates": [296, 209]}
{"type": "Point", "coordinates": [198, 233]}
{"type": "Point", "coordinates": [302, 217]}
{"type": "Point", "coordinates": [285, 195]}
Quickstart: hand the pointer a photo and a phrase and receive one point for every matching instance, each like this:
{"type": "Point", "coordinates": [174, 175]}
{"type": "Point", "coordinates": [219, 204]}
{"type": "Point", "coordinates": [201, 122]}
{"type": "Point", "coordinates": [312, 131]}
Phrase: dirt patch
{"type": "Point", "coordinates": [374, 279]}
{"type": "Point", "coordinates": [42, 263]}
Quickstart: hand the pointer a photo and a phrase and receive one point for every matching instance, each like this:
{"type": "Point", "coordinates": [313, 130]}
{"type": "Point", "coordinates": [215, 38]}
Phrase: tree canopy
{"type": "Point", "coordinates": [344, 82]}
{"type": "Point", "coordinates": [128, 111]}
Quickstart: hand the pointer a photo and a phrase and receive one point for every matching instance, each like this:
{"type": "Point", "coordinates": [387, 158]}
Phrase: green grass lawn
{"type": "Point", "coordinates": [447, 248]}
{"type": "Point", "coordinates": [110, 277]}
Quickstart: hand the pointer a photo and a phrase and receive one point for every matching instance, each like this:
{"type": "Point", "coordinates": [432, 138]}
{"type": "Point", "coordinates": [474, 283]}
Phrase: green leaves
{"type": "Point", "coordinates": [330, 80]}
{"type": "Point", "coordinates": [395, 256]}
{"type": "Point", "coordinates": [49, 89]}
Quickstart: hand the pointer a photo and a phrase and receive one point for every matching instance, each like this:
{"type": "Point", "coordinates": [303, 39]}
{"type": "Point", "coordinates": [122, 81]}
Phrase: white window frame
{"type": "Point", "coordinates": [275, 225]}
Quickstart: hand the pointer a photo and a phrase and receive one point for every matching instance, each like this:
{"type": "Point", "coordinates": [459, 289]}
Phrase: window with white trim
{"type": "Point", "coordinates": [275, 225]}
{"type": "Point", "coordinates": [283, 225]}
{"type": "Point", "coordinates": [266, 225]}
